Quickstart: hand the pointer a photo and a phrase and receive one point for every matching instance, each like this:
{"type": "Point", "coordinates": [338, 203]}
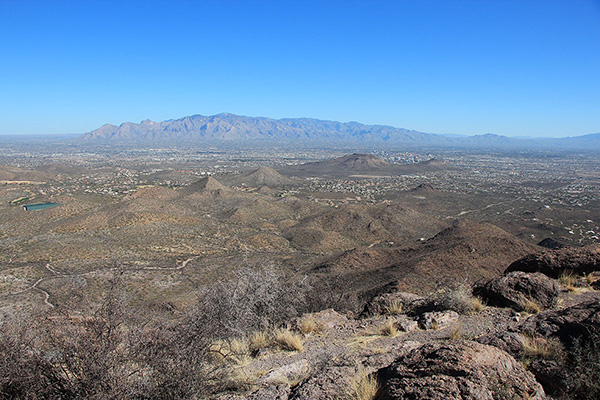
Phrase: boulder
{"type": "Point", "coordinates": [287, 373]}
{"type": "Point", "coordinates": [511, 289]}
{"type": "Point", "coordinates": [554, 263]}
{"type": "Point", "coordinates": [437, 319]}
{"type": "Point", "coordinates": [457, 370]}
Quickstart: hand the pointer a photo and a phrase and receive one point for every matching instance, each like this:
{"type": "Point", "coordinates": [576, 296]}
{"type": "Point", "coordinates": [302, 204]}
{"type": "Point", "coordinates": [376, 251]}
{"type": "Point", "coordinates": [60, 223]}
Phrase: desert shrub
{"type": "Point", "coordinates": [457, 298]}
{"type": "Point", "coordinates": [394, 307]}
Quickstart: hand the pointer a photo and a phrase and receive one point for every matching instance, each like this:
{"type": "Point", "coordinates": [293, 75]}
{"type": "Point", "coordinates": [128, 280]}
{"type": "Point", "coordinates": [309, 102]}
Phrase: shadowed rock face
{"type": "Point", "coordinates": [579, 322]}
{"type": "Point", "coordinates": [458, 370]}
{"type": "Point", "coordinates": [510, 290]}
{"type": "Point", "coordinates": [555, 262]}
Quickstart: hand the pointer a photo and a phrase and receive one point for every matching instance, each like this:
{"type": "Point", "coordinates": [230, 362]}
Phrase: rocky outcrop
{"type": "Point", "coordinates": [556, 262]}
{"type": "Point", "coordinates": [577, 323]}
{"type": "Point", "coordinates": [513, 288]}
{"type": "Point", "coordinates": [457, 370]}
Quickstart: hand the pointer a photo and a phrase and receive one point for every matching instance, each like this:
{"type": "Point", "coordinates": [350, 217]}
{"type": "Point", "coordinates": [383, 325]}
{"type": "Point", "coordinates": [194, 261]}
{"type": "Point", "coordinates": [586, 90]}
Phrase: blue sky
{"type": "Point", "coordinates": [511, 67]}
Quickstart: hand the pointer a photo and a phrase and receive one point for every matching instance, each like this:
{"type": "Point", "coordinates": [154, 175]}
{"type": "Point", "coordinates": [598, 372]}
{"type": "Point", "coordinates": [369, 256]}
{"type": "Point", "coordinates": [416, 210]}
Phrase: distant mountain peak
{"type": "Point", "coordinates": [234, 128]}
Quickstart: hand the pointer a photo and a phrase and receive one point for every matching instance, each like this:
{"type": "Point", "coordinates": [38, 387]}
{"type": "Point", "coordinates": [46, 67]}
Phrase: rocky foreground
{"type": "Point", "coordinates": [532, 333]}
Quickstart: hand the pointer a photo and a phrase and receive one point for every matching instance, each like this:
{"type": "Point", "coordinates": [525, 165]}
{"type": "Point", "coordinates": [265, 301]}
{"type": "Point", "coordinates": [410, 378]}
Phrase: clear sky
{"type": "Point", "coordinates": [511, 67]}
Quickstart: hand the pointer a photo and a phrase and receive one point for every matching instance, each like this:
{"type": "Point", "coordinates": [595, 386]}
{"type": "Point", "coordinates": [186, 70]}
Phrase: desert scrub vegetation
{"type": "Point", "coordinates": [288, 340]}
{"type": "Point", "coordinates": [113, 351]}
{"type": "Point", "coordinates": [568, 280]}
{"type": "Point", "coordinates": [389, 328]}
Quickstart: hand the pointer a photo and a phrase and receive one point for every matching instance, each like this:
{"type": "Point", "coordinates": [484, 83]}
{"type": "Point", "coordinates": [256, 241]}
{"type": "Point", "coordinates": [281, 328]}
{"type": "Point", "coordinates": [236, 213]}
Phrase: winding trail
{"type": "Point", "coordinates": [56, 274]}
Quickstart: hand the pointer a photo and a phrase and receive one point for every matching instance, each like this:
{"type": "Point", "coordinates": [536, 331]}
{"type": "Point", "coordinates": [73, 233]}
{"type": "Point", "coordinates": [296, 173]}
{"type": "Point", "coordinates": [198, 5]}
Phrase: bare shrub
{"type": "Point", "coordinates": [257, 299]}
{"type": "Point", "coordinates": [457, 298]}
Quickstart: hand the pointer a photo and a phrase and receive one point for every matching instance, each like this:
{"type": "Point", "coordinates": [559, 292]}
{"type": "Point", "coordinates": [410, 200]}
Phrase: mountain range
{"type": "Point", "coordinates": [231, 127]}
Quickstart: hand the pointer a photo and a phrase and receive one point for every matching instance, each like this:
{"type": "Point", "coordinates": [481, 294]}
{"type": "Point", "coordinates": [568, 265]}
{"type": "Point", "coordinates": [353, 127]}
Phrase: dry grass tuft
{"type": "Point", "coordinates": [568, 280]}
{"type": "Point", "coordinates": [389, 328]}
{"type": "Point", "coordinates": [259, 340]}
{"type": "Point", "coordinates": [476, 304]}
{"type": "Point", "coordinates": [590, 278]}
{"type": "Point", "coordinates": [363, 387]}
{"type": "Point", "coordinates": [309, 324]}
{"type": "Point", "coordinates": [541, 347]}
{"type": "Point", "coordinates": [530, 306]}
{"type": "Point", "coordinates": [456, 333]}
{"type": "Point", "coordinates": [288, 340]}
{"type": "Point", "coordinates": [394, 308]}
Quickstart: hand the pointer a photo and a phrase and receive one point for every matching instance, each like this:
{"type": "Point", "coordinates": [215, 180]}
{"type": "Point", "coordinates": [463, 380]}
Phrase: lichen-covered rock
{"type": "Point", "coordinates": [511, 289]}
{"type": "Point", "coordinates": [553, 263]}
{"type": "Point", "coordinates": [457, 370]}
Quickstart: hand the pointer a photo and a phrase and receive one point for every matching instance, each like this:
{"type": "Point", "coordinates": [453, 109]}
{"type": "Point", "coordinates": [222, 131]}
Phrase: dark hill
{"type": "Point", "coordinates": [464, 251]}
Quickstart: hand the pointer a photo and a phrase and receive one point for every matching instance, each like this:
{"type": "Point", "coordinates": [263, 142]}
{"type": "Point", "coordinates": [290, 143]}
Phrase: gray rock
{"type": "Point", "coordinates": [511, 289]}
{"type": "Point", "coordinates": [457, 370]}
{"type": "Point", "coordinates": [286, 374]}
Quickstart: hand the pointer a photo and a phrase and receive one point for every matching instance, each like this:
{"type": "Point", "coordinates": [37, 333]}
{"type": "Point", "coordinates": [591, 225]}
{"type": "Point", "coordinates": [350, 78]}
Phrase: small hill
{"type": "Point", "coordinates": [356, 225]}
{"type": "Point", "coordinates": [423, 188]}
{"type": "Point", "coordinates": [206, 185]}
{"type": "Point", "coordinates": [361, 165]}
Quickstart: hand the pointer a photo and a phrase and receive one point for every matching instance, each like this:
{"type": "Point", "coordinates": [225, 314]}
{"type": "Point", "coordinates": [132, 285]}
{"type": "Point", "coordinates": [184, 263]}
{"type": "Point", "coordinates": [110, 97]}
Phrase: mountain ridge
{"type": "Point", "coordinates": [231, 127]}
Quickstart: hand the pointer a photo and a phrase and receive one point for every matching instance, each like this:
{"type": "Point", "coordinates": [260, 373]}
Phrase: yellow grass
{"type": "Point", "coordinates": [456, 333]}
{"type": "Point", "coordinates": [389, 329]}
{"type": "Point", "coordinates": [476, 304]}
{"type": "Point", "coordinates": [309, 324]}
{"type": "Point", "coordinates": [259, 340]}
{"type": "Point", "coordinates": [530, 306]}
{"type": "Point", "coordinates": [567, 279]}
{"type": "Point", "coordinates": [288, 340]}
{"type": "Point", "coordinates": [393, 308]}
{"type": "Point", "coordinates": [364, 387]}
{"type": "Point", "coordinates": [541, 347]}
